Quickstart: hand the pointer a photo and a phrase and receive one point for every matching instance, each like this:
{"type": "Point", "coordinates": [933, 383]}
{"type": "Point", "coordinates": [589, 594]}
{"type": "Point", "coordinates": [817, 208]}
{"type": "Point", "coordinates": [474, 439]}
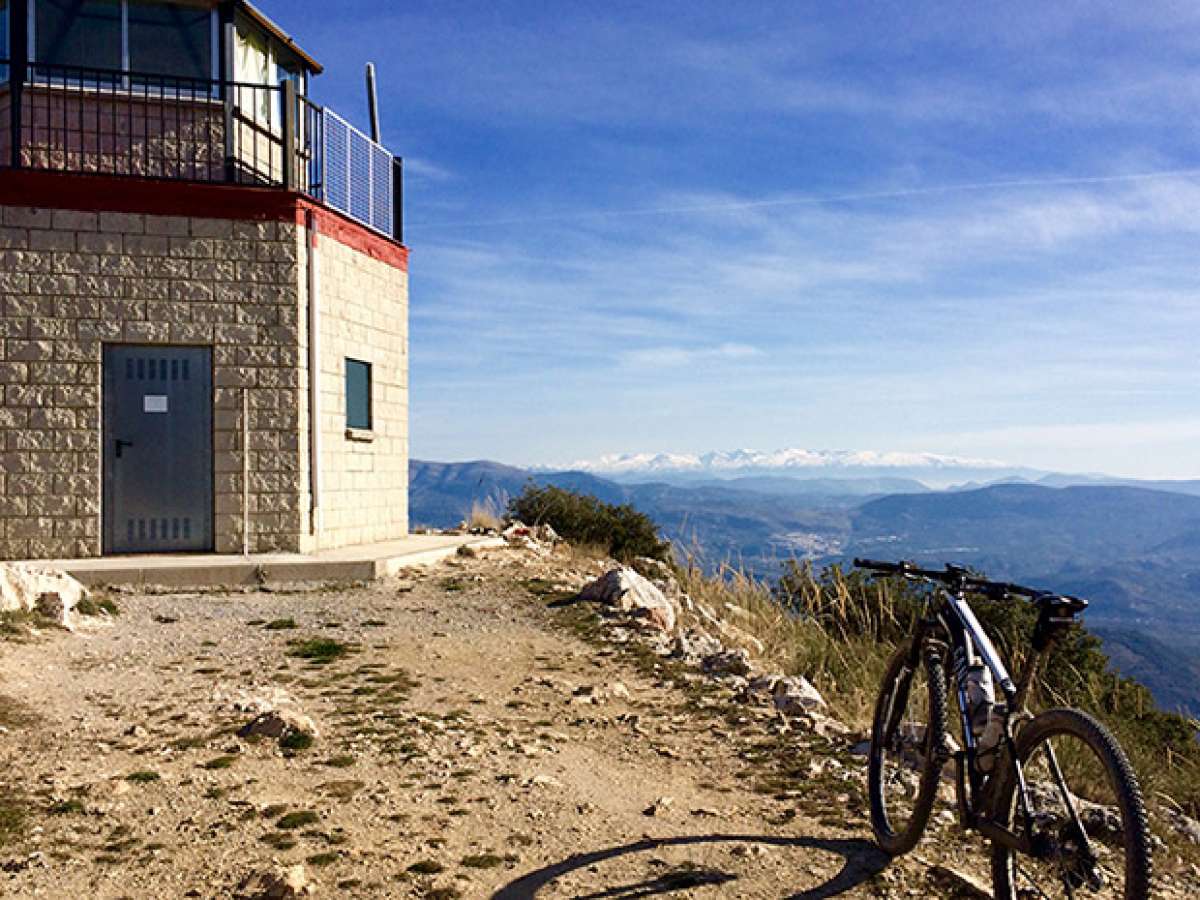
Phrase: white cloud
{"type": "Point", "coordinates": [425, 170]}
{"type": "Point", "coordinates": [672, 357]}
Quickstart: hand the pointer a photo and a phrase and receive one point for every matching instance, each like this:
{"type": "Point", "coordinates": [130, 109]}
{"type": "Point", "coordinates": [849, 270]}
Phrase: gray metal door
{"type": "Point", "coordinates": [158, 470]}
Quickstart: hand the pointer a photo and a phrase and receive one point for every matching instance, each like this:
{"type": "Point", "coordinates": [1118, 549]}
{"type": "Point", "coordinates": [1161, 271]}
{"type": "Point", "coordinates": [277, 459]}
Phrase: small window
{"type": "Point", "coordinates": [358, 394]}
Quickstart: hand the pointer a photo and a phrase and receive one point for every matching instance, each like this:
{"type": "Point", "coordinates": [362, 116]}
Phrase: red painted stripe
{"type": "Point", "coordinates": [107, 193]}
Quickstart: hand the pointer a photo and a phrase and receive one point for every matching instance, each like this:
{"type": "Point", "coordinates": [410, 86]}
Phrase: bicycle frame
{"type": "Point", "coordinates": [968, 644]}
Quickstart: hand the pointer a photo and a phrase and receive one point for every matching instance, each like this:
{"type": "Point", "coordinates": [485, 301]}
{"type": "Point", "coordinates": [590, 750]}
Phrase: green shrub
{"type": "Point", "coordinates": [94, 606]}
{"type": "Point", "coordinates": [318, 649]}
{"type": "Point", "coordinates": [621, 531]}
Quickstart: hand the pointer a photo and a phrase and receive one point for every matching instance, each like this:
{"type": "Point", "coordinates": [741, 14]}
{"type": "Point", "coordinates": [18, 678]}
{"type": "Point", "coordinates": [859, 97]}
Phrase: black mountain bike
{"type": "Point", "coordinates": [1054, 793]}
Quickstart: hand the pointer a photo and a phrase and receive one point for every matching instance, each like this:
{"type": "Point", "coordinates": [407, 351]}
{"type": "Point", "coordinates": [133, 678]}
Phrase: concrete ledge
{"type": "Point", "coordinates": [365, 563]}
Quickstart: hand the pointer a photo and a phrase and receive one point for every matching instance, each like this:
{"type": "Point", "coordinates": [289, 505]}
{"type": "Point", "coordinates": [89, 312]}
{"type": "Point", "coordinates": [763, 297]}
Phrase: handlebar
{"type": "Point", "coordinates": [959, 578]}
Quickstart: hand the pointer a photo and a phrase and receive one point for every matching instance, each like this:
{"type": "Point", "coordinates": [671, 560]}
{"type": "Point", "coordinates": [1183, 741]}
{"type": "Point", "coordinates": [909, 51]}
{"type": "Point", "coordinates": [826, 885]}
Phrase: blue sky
{"type": "Point", "coordinates": [644, 226]}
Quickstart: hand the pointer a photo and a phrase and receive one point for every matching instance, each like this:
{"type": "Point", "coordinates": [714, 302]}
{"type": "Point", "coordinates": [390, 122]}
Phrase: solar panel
{"type": "Point", "coordinates": [358, 174]}
{"type": "Point", "coordinates": [381, 189]}
{"type": "Point", "coordinates": [337, 168]}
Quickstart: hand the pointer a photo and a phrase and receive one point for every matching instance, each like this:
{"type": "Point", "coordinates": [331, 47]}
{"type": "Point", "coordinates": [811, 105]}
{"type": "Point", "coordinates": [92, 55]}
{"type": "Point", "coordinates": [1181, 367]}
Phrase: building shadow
{"type": "Point", "coordinates": [861, 861]}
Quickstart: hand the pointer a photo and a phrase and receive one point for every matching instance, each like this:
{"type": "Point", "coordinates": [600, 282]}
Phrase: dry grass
{"type": "Point", "coordinates": [485, 516]}
{"type": "Point", "coordinates": [846, 669]}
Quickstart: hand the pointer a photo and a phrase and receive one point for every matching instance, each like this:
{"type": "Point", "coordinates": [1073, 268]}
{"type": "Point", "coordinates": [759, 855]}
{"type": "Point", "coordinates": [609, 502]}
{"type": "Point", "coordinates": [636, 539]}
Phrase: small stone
{"type": "Point", "coordinates": [278, 884]}
{"type": "Point", "coordinates": [279, 724]}
{"type": "Point", "coordinates": [659, 806]}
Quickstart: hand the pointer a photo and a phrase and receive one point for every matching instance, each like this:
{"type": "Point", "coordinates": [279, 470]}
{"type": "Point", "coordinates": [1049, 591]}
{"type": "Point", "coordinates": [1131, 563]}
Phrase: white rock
{"type": "Point", "coordinates": [618, 691]}
{"type": "Point", "coordinates": [277, 884]}
{"type": "Point", "coordinates": [694, 645]}
{"type": "Point", "coordinates": [26, 588]}
{"type": "Point", "coordinates": [1186, 826]}
{"type": "Point", "coordinates": [626, 590]}
{"type": "Point", "coordinates": [795, 695]}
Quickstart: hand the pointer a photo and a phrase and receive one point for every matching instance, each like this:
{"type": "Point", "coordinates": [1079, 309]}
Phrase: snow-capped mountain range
{"type": "Point", "coordinates": [933, 469]}
{"type": "Point", "coordinates": [734, 460]}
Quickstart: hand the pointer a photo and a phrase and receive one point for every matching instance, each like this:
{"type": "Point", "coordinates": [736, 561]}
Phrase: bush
{"type": "Point", "coordinates": [621, 531]}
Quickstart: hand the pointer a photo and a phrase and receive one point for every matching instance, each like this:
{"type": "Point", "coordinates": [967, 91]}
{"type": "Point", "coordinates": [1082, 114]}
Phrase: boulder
{"type": "Point", "coordinates": [795, 695]}
{"type": "Point", "coordinates": [27, 588]}
{"type": "Point", "coordinates": [624, 589]}
{"type": "Point", "coordinates": [279, 724]}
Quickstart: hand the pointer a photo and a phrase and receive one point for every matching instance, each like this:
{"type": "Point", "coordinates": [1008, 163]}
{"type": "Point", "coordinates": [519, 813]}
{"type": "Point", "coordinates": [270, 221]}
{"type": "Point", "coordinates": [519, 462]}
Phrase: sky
{"type": "Point", "coordinates": [968, 229]}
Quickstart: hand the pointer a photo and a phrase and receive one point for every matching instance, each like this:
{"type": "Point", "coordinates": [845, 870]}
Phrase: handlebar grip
{"type": "Point", "coordinates": [878, 566]}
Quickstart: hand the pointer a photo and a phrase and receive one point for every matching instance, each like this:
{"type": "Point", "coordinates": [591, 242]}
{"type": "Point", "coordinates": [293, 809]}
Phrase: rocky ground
{"type": "Point", "coordinates": [474, 739]}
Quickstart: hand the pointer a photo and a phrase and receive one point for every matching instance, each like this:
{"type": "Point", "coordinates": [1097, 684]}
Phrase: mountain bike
{"type": "Point", "coordinates": [1054, 793]}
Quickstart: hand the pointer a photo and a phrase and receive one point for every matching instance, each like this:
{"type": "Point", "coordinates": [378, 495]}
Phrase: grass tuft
{"type": "Point", "coordinates": [295, 820]}
{"type": "Point", "coordinates": [318, 649]}
{"type": "Point", "coordinates": [427, 867]}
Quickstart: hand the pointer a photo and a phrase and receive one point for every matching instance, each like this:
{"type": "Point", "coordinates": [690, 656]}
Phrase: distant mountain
{"type": "Point", "coordinates": [1172, 674]}
{"type": "Point", "coordinates": [855, 489]}
{"type": "Point", "coordinates": [1135, 553]}
{"type": "Point", "coordinates": [1174, 486]}
{"type": "Point", "coordinates": [929, 468]}
{"type": "Point", "coordinates": [717, 522]}
{"type": "Point", "coordinates": [440, 495]}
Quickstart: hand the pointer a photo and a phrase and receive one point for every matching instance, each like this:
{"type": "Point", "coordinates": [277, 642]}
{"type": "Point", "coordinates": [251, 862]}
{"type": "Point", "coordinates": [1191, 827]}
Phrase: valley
{"type": "Point", "coordinates": [1132, 550]}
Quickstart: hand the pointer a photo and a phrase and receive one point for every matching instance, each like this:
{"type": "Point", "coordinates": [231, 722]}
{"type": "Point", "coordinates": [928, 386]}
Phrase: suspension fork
{"type": "Point", "coordinates": [903, 684]}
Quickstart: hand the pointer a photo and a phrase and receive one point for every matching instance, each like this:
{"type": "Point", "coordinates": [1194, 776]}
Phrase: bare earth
{"type": "Point", "coordinates": [455, 758]}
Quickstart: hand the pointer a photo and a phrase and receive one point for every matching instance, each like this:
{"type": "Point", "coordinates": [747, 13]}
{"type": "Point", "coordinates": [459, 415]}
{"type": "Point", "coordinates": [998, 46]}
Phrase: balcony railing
{"type": "Point", "coordinates": [100, 121]}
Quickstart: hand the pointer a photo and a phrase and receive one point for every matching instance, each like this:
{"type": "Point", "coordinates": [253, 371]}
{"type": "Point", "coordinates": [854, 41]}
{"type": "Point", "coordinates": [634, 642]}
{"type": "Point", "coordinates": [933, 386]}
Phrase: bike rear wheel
{"type": "Point", "coordinates": [1111, 859]}
{"type": "Point", "coordinates": [907, 746]}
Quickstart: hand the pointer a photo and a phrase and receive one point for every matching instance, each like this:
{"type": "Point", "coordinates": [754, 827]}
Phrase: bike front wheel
{"type": "Point", "coordinates": [907, 746]}
{"type": "Point", "coordinates": [1087, 824]}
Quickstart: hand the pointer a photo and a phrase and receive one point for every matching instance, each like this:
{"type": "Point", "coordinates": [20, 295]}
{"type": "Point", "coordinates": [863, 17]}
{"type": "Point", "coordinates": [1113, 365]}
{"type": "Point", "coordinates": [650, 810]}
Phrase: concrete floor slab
{"type": "Point", "coordinates": [361, 563]}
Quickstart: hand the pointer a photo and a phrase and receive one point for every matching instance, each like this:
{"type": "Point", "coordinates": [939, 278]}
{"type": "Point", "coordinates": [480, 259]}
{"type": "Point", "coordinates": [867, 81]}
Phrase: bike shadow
{"type": "Point", "coordinates": [861, 861]}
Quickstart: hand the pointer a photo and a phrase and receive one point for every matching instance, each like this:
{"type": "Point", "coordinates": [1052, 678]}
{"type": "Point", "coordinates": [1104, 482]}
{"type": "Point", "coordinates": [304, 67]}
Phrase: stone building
{"type": "Point", "coordinates": [203, 291]}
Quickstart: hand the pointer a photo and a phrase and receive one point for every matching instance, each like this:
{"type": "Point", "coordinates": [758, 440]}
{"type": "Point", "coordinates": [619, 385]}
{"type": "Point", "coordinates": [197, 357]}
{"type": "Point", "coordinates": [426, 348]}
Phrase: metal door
{"type": "Point", "coordinates": [158, 470]}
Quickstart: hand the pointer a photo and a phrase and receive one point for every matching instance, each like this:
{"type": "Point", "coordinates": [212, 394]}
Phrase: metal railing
{"type": "Point", "coordinates": [102, 121]}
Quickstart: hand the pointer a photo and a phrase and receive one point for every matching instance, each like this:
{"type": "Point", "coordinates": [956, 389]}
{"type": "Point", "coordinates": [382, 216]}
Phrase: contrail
{"type": "Point", "coordinates": [961, 187]}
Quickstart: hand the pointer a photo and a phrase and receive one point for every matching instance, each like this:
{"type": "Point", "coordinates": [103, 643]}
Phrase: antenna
{"type": "Point", "coordinates": [373, 103]}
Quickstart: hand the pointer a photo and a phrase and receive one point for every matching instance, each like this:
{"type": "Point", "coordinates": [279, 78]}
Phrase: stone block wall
{"type": "Point", "coordinates": [72, 281]}
{"type": "Point", "coordinates": [364, 476]}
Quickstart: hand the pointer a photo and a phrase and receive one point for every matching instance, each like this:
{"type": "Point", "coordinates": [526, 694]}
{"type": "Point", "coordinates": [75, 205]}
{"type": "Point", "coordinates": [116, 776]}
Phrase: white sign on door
{"type": "Point", "coordinates": [154, 403]}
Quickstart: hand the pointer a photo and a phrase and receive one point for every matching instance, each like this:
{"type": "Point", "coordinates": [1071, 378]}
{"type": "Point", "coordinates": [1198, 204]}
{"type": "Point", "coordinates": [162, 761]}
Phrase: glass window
{"type": "Point", "coordinates": [172, 39]}
{"type": "Point", "coordinates": [254, 64]}
{"type": "Point", "coordinates": [78, 33]}
{"type": "Point", "coordinates": [4, 50]}
{"type": "Point", "coordinates": [358, 394]}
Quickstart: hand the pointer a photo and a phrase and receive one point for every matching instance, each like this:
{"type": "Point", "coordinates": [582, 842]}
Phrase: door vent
{"type": "Point", "coordinates": [158, 530]}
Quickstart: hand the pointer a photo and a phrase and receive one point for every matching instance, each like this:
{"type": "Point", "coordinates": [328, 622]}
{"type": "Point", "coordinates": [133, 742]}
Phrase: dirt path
{"type": "Point", "coordinates": [459, 755]}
